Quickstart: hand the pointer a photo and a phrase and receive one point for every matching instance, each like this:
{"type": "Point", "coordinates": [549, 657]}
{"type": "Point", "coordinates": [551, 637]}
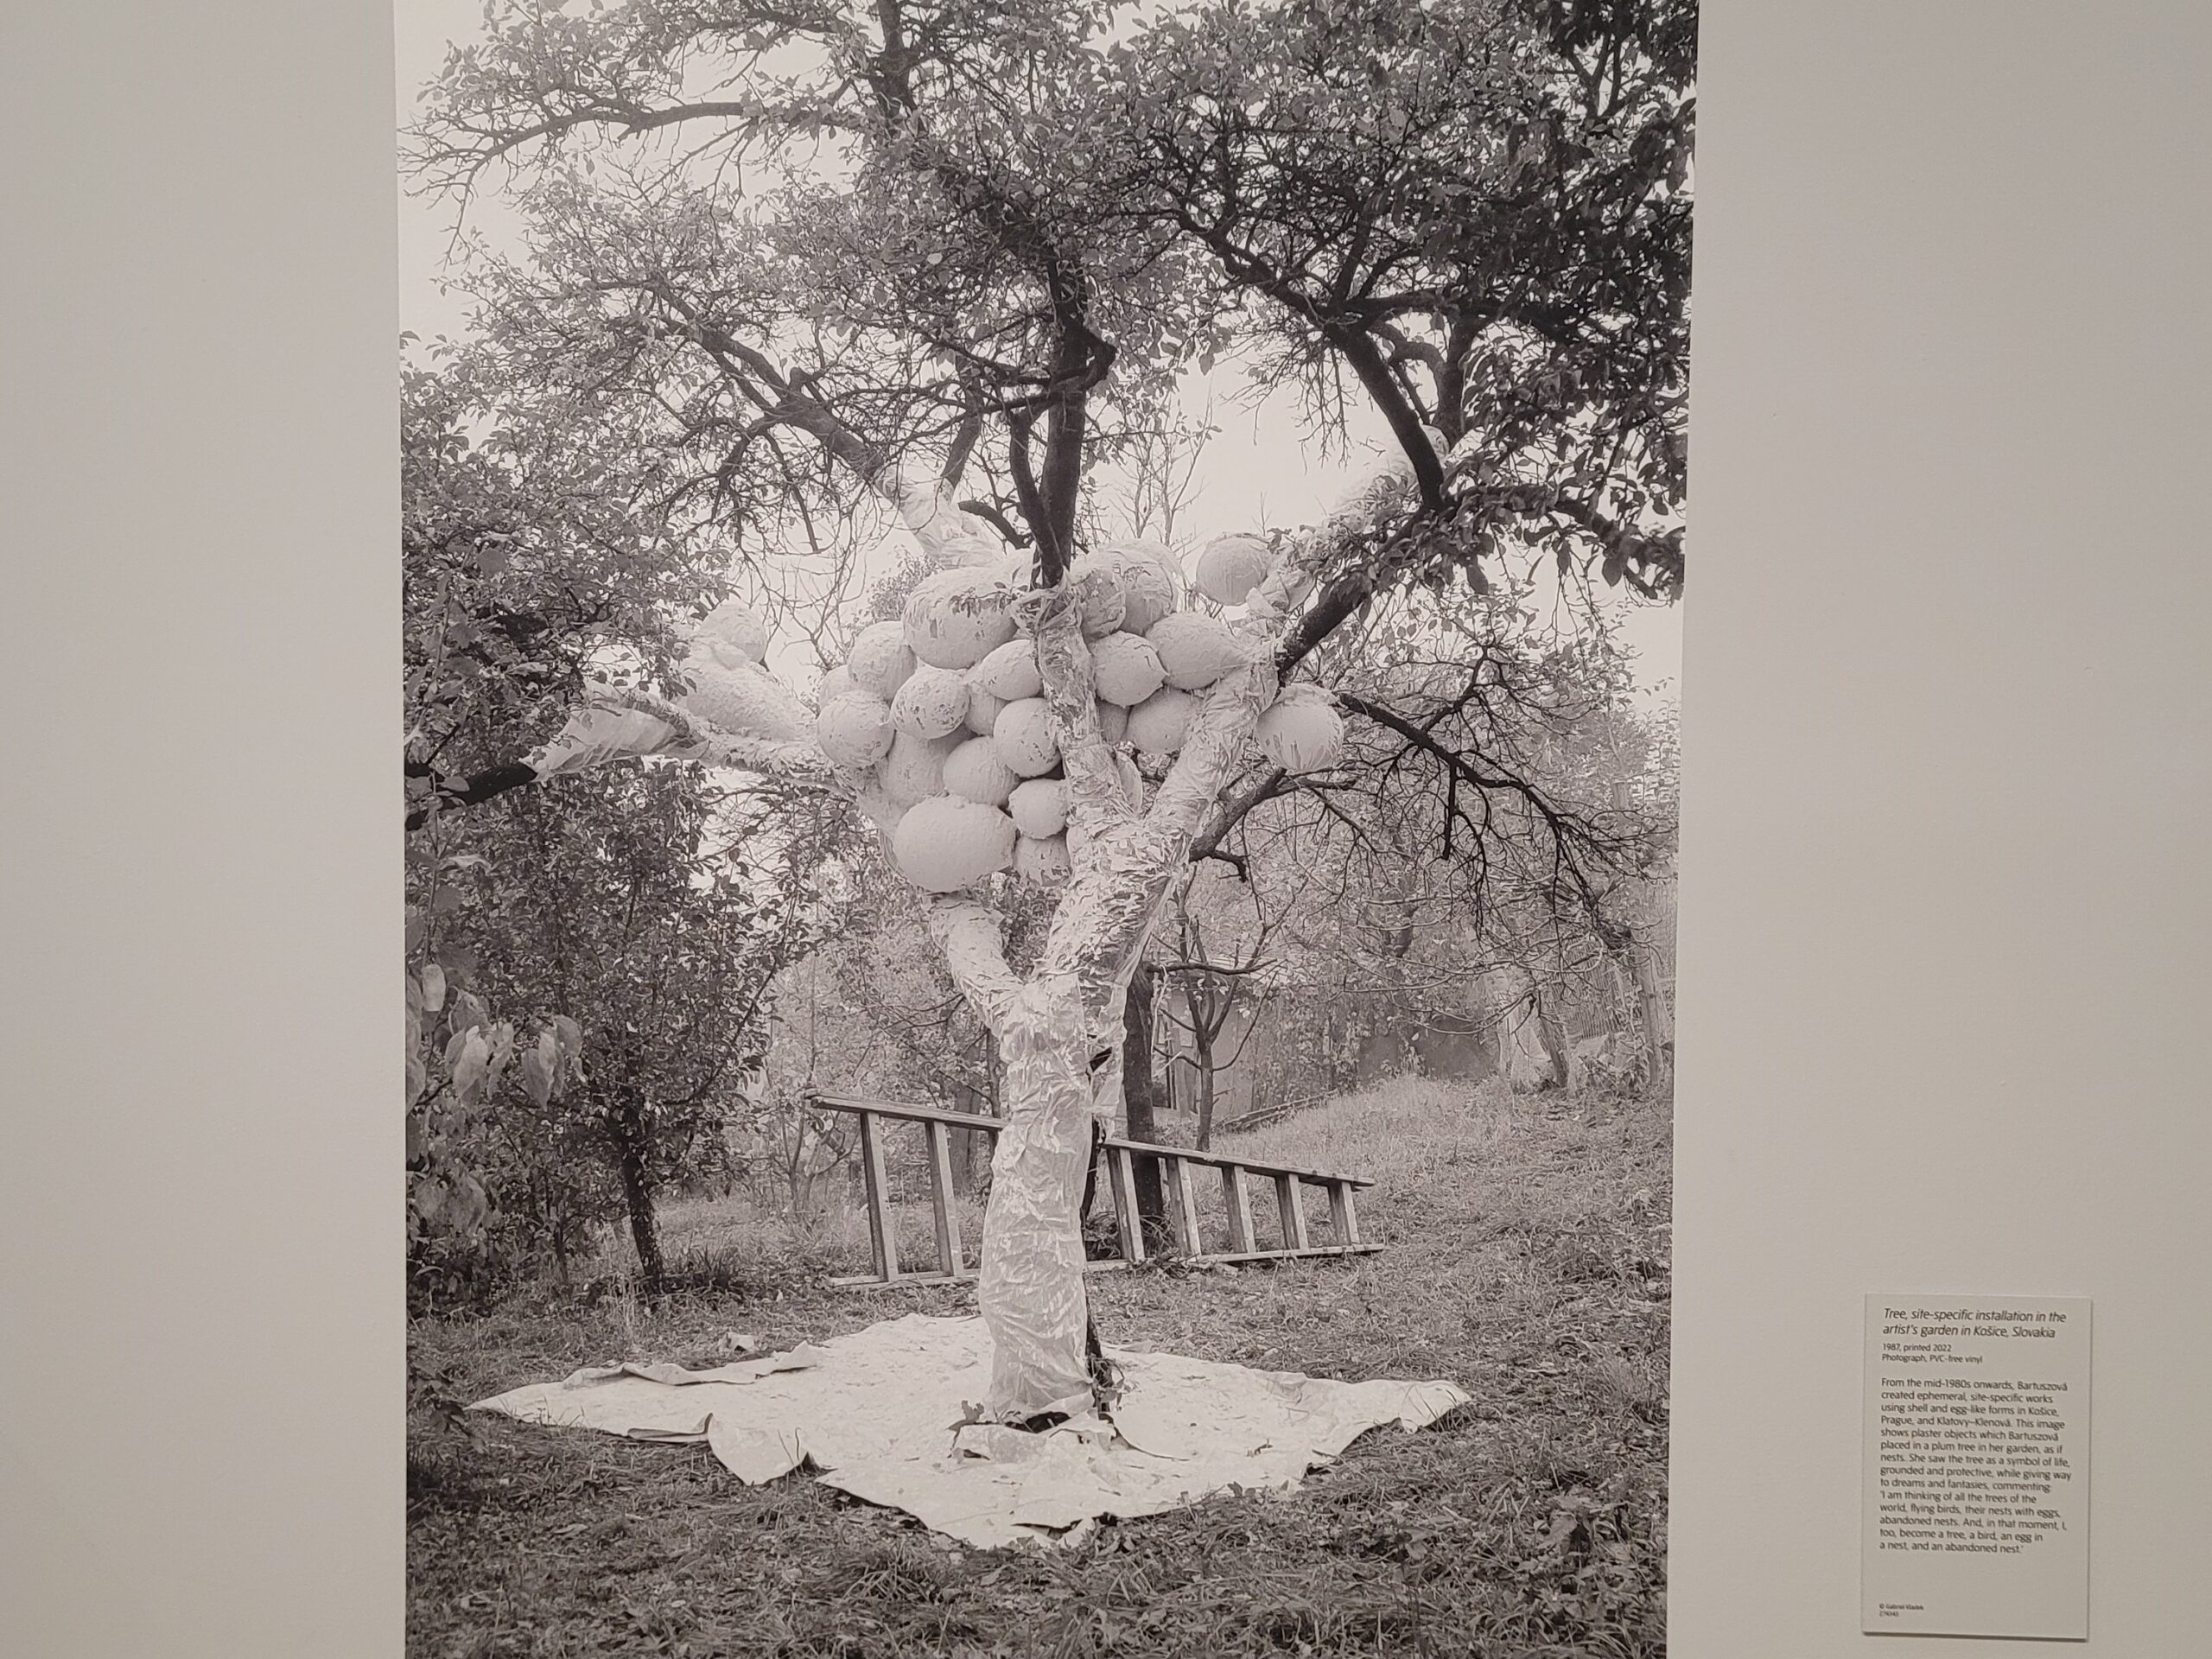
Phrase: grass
{"type": "Point", "coordinates": [1528, 1260]}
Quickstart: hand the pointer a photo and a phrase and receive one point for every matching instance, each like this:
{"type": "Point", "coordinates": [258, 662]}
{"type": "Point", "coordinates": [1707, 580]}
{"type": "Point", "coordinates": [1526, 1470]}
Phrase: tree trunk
{"type": "Point", "coordinates": [1141, 1097]}
{"type": "Point", "coordinates": [1523, 1060]}
{"type": "Point", "coordinates": [1031, 1287]}
{"type": "Point", "coordinates": [1202, 1056]}
{"type": "Point", "coordinates": [638, 1197]}
{"type": "Point", "coordinates": [1551, 1030]}
{"type": "Point", "coordinates": [1061, 1029]}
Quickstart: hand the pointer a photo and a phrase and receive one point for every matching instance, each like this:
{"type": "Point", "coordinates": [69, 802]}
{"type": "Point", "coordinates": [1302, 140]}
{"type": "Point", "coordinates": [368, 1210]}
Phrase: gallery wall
{"type": "Point", "coordinates": [1947, 773]}
{"type": "Point", "coordinates": [1942, 963]}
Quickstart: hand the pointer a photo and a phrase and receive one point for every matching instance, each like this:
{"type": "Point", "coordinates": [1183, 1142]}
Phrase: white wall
{"type": "Point", "coordinates": [1944, 959]}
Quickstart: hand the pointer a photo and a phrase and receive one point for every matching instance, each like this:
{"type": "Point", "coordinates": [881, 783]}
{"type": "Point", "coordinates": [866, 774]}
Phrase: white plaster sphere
{"type": "Point", "coordinates": [956, 618]}
{"type": "Point", "coordinates": [735, 627]}
{"type": "Point", "coordinates": [1158, 724]}
{"type": "Point", "coordinates": [1096, 583]}
{"type": "Point", "coordinates": [1230, 567]}
{"type": "Point", "coordinates": [914, 769]}
{"type": "Point", "coordinates": [1040, 807]}
{"type": "Point", "coordinates": [1151, 582]}
{"type": "Point", "coordinates": [945, 843]}
{"type": "Point", "coordinates": [1126, 669]}
{"type": "Point", "coordinates": [975, 772]}
{"type": "Point", "coordinates": [1044, 863]}
{"type": "Point", "coordinates": [982, 709]}
{"type": "Point", "coordinates": [932, 701]}
{"type": "Point", "coordinates": [1023, 732]}
{"type": "Point", "coordinates": [1010, 673]}
{"type": "Point", "coordinates": [880, 661]}
{"type": "Point", "coordinates": [1195, 650]}
{"type": "Point", "coordinates": [853, 730]}
{"type": "Point", "coordinates": [1302, 730]}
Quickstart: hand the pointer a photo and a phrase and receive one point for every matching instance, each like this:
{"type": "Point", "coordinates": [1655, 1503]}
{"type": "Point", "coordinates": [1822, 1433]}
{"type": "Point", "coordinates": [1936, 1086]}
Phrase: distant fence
{"type": "Point", "coordinates": [1273, 1114]}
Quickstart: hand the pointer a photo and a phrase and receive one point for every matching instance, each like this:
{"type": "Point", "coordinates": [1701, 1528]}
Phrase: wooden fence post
{"type": "Point", "coordinates": [1240, 1207]}
{"type": "Point", "coordinates": [883, 1235]}
{"type": "Point", "coordinates": [944, 1200]}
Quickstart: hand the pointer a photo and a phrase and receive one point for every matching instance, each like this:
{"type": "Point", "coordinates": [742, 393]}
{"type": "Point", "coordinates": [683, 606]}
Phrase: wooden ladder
{"type": "Point", "coordinates": [1120, 1157]}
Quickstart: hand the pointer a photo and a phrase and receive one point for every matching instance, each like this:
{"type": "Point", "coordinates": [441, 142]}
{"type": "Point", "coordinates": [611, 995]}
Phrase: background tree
{"type": "Point", "coordinates": [637, 913]}
{"type": "Point", "coordinates": [619, 906]}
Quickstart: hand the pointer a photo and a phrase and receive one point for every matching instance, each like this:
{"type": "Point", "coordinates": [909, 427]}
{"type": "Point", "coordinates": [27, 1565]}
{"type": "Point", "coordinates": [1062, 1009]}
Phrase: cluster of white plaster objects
{"type": "Point", "coordinates": [940, 718]}
{"type": "Point", "coordinates": [729, 688]}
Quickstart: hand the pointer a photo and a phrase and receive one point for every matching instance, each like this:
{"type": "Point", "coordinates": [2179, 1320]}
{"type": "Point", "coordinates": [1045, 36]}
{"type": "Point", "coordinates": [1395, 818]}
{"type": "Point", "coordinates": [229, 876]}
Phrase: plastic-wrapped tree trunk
{"type": "Point", "coordinates": [1060, 1029]}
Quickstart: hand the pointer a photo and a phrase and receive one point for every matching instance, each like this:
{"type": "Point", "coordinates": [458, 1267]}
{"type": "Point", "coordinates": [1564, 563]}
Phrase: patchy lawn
{"type": "Point", "coordinates": [1528, 1260]}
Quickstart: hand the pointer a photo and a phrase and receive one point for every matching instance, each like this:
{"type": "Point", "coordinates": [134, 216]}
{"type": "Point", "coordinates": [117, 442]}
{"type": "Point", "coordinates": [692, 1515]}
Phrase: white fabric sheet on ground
{"type": "Point", "coordinates": [885, 1414]}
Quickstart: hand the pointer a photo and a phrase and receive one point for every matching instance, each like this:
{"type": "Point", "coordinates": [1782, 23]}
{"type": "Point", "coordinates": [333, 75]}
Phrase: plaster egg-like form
{"type": "Point", "coordinates": [932, 703]}
{"type": "Point", "coordinates": [914, 770]}
{"type": "Point", "coordinates": [1113, 722]}
{"type": "Point", "coordinates": [975, 772]}
{"type": "Point", "coordinates": [880, 661]}
{"type": "Point", "coordinates": [744, 698]}
{"type": "Point", "coordinates": [1158, 724]}
{"type": "Point", "coordinates": [1125, 669]}
{"type": "Point", "coordinates": [837, 683]}
{"type": "Point", "coordinates": [1010, 673]}
{"type": "Point", "coordinates": [1230, 567]}
{"type": "Point", "coordinates": [945, 843]}
{"type": "Point", "coordinates": [1040, 807]}
{"type": "Point", "coordinates": [1195, 650]}
{"type": "Point", "coordinates": [956, 618]}
{"type": "Point", "coordinates": [1043, 862]}
{"type": "Point", "coordinates": [982, 710]}
{"type": "Point", "coordinates": [853, 730]}
{"type": "Point", "coordinates": [1151, 582]}
{"type": "Point", "coordinates": [1096, 581]}
{"type": "Point", "coordinates": [1023, 732]}
{"type": "Point", "coordinates": [1302, 731]}
{"type": "Point", "coordinates": [732, 628]}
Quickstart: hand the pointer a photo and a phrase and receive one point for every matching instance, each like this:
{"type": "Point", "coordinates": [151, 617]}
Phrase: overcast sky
{"type": "Point", "coordinates": [1260, 471]}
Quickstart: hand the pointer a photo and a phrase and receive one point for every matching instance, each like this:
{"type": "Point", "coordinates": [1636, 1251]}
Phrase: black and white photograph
{"type": "Point", "coordinates": [1039, 688]}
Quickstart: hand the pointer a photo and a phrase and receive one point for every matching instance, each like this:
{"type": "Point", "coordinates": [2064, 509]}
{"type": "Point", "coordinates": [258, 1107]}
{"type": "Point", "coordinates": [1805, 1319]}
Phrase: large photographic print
{"type": "Point", "coordinates": [1039, 662]}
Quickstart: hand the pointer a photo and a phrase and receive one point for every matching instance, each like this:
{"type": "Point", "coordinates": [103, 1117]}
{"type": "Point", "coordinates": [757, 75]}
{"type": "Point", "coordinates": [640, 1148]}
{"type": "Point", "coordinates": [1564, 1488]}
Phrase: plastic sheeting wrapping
{"type": "Point", "coordinates": [884, 1414]}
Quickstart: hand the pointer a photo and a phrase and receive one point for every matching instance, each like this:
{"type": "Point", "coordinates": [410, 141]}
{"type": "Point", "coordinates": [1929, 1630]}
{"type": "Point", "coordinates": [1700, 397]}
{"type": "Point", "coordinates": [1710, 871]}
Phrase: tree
{"type": "Point", "coordinates": [951, 259]}
{"type": "Point", "coordinates": [1207, 992]}
{"type": "Point", "coordinates": [618, 902]}
{"type": "Point", "coordinates": [609, 917]}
